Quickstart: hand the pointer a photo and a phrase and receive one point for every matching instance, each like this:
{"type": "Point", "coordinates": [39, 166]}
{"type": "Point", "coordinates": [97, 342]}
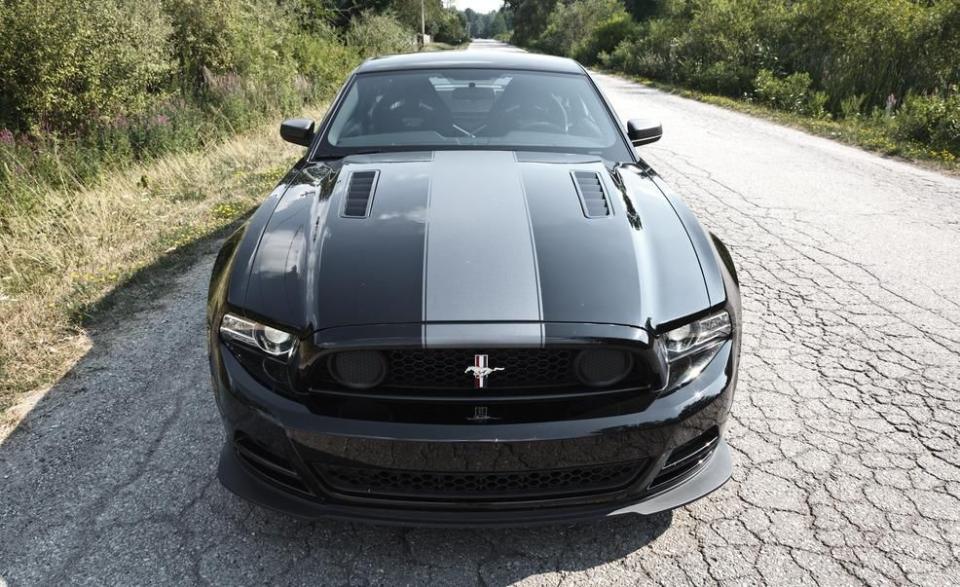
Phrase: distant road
{"type": "Point", "coordinates": [845, 428]}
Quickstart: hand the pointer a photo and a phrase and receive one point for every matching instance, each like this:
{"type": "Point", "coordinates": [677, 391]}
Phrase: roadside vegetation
{"type": "Point", "coordinates": [495, 24]}
{"type": "Point", "coordinates": [882, 74]}
{"type": "Point", "coordinates": [130, 129]}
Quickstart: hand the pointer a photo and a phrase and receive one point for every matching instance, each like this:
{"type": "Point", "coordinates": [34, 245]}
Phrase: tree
{"type": "Point", "coordinates": [529, 18]}
{"type": "Point", "coordinates": [498, 25]}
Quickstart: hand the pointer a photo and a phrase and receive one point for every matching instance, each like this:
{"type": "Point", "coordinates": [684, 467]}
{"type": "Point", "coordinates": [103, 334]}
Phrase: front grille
{"type": "Point", "coordinates": [444, 369]}
{"type": "Point", "coordinates": [432, 485]}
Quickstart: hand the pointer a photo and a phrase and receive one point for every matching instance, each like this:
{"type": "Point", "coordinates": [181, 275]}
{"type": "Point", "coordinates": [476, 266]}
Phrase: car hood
{"type": "Point", "coordinates": [480, 237]}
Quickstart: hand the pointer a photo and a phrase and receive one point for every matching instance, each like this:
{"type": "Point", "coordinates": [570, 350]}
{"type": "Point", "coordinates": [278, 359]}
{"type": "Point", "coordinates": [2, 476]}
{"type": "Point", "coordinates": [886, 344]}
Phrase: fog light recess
{"type": "Point", "coordinates": [603, 367]}
{"type": "Point", "coordinates": [358, 369]}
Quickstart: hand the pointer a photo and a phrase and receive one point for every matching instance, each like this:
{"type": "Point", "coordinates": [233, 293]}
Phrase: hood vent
{"type": "Point", "coordinates": [360, 194]}
{"type": "Point", "coordinates": [593, 198]}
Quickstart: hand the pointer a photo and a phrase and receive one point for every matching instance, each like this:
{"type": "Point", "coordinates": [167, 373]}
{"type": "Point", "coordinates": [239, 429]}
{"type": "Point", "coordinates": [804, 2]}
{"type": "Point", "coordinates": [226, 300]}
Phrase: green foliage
{"type": "Point", "coordinates": [839, 59]}
{"type": "Point", "coordinates": [323, 59]}
{"type": "Point", "coordinates": [450, 27]}
{"type": "Point", "coordinates": [817, 104]}
{"type": "Point", "coordinates": [529, 19]}
{"type": "Point", "coordinates": [790, 93]}
{"type": "Point", "coordinates": [378, 34]}
{"type": "Point", "coordinates": [851, 107]}
{"type": "Point", "coordinates": [87, 85]}
{"type": "Point", "coordinates": [570, 26]}
{"type": "Point", "coordinates": [498, 26]}
{"type": "Point", "coordinates": [604, 38]}
{"type": "Point", "coordinates": [931, 120]}
{"type": "Point", "coordinates": [73, 65]}
{"type": "Point", "coordinates": [486, 26]}
{"type": "Point", "coordinates": [849, 47]}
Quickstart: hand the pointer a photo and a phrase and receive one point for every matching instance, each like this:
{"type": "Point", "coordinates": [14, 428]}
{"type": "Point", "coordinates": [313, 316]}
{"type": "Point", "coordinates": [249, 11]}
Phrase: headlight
{"type": "Point", "coordinates": [269, 340]}
{"type": "Point", "coordinates": [691, 347]}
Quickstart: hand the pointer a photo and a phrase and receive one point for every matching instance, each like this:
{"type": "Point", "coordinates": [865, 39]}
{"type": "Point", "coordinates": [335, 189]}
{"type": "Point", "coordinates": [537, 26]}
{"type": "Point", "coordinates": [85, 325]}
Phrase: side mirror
{"type": "Point", "coordinates": [298, 131]}
{"type": "Point", "coordinates": [644, 132]}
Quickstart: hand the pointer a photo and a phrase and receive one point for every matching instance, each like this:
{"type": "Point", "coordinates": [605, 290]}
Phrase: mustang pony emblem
{"type": "Point", "coordinates": [481, 371]}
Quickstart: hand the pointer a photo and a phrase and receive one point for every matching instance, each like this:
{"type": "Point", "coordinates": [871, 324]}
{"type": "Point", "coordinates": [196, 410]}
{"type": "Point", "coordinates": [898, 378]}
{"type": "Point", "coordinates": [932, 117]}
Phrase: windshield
{"type": "Point", "coordinates": [473, 108]}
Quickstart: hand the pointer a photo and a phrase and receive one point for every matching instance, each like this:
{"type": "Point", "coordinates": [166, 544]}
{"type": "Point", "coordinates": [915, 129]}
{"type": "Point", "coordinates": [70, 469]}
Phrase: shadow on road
{"type": "Point", "coordinates": [111, 479]}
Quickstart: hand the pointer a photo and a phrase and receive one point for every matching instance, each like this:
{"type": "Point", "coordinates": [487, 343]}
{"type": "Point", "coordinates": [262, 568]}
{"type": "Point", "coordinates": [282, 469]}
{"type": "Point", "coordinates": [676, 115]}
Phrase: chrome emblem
{"type": "Point", "coordinates": [481, 370]}
{"type": "Point", "coordinates": [481, 414]}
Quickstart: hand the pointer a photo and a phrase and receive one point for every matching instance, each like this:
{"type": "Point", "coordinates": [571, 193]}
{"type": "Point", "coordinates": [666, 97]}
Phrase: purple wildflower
{"type": "Point", "coordinates": [161, 119]}
{"type": "Point", "coordinates": [6, 137]}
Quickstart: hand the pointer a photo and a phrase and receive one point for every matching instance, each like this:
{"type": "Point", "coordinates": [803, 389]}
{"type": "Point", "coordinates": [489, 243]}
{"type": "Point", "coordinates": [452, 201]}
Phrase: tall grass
{"type": "Point", "coordinates": [73, 246]}
{"type": "Point", "coordinates": [96, 186]}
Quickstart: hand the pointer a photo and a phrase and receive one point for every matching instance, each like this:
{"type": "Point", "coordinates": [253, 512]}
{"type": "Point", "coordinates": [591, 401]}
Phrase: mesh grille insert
{"type": "Point", "coordinates": [592, 195]}
{"type": "Point", "coordinates": [426, 485]}
{"type": "Point", "coordinates": [444, 368]}
{"type": "Point", "coordinates": [360, 194]}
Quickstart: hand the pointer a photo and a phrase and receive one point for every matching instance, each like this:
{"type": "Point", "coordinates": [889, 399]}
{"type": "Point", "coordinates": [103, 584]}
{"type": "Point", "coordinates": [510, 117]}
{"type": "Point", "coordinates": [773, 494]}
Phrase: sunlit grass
{"type": "Point", "coordinates": [71, 248]}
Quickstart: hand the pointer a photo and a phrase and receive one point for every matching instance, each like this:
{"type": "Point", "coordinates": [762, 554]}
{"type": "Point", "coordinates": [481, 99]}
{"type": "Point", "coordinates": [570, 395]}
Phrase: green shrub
{"type": "Point", "coordinates": [817, 104]}
{"type": "Point", "coordinates": [604, 39]}
{"type": "Point", "coordinates": [721, 77]}
{"type": "Point", "coordinates": [449, 27]}
{"type": "Point", "coordinates": [379, 34]}
{"type": "Point", "coordinates": [788, 93]}
{"type": "Point", "coordinates": [89, 85]}
{"type": "Point", "coordinates": [573, 23]}
{"type": "Point", "coordinates": [323, 59]}
{"type": "Point", "coordinates": [932, 120]}
{"type": "Point", "coordinates": [244, 37]}
{"type": "Point", "coordinates": [67, 64]}
{"type": "Point", "coordinates": [851, 107]}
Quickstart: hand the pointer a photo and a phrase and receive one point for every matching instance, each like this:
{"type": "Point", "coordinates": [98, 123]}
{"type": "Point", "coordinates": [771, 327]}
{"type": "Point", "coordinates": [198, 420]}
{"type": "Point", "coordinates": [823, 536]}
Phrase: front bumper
{"type": "Point", "coordinates": [294, 446]}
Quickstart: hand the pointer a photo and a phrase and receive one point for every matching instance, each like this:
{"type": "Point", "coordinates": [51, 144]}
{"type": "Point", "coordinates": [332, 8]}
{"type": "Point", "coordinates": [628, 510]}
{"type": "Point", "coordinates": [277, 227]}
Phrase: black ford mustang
{"type": "Point", "coordinates": [471, 303]}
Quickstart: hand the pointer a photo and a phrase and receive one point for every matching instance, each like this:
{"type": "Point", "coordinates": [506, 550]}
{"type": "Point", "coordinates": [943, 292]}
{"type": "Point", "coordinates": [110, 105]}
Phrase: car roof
{"type": "Point", "coordinates": [471, 59]}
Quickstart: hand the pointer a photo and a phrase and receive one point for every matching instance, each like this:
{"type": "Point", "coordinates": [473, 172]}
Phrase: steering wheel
{"type": "Point", "coordinates": [540, 117]}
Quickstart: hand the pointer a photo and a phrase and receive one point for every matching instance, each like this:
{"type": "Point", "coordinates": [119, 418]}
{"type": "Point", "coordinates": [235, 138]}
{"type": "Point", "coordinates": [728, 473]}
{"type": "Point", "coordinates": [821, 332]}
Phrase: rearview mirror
{"type": "Point", "coordinates": [644, 132]}
{"type": "Point", "coordinates": [298, 131]}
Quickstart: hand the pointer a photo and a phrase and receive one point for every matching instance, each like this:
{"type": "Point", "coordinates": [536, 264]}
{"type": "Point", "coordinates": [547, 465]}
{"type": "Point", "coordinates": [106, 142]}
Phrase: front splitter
{"type": "Point", "coordinates": [245, 484]}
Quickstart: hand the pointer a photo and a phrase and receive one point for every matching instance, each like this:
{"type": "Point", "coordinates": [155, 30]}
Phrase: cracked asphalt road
{"type": "Point", "coordinates": [846, 428]}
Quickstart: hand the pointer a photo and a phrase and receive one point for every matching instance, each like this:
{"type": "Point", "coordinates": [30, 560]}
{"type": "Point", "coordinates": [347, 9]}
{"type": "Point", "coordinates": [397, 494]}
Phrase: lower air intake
{"type": "Point", "coordinates": [452, 486]}
{"type": "Point", "coordinates": [686, 459]}
{"type": "Point", "coordinates": [268, 465]}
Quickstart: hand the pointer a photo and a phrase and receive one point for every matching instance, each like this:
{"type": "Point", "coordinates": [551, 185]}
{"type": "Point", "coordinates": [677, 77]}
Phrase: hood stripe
{"type": "Point", "coordinates": [533, 248]}
{"type": "Point", "coordinates": [480, 259]}
{"type": "Point", "coordinates": [423, 268]}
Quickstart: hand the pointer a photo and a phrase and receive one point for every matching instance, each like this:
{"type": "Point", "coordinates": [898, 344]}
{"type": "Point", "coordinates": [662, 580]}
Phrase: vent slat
{"type": "Point", "coordinates": [592, 194]}
{"type": "Point", "coordinates": [360, 194]}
